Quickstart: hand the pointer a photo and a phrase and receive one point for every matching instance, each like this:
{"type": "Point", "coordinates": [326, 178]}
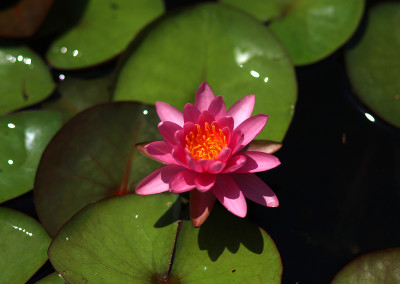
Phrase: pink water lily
{"type": "Point", "coordinates": [204, 152]}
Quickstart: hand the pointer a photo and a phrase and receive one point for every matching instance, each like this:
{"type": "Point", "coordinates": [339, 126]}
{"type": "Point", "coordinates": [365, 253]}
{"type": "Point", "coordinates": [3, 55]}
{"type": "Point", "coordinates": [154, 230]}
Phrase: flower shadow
{"type": "Point", "coordinates": [224, 230]}
{"type": "Point", "coordinates": [172, 215]}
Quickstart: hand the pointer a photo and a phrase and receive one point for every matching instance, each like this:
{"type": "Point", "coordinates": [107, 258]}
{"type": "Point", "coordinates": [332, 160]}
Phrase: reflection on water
{"type": "Point", "coordinates": [370, 117]}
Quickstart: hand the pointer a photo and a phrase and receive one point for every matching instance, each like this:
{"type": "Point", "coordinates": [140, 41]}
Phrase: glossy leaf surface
{"type": "Point", "coordinates": [225, 249]}
{"type": "Point", "coordinates": [79, 94]}
{"type": "Point", "coordinates": [372, 268]}
{"type": "Point", "coordinates": [313, 29]}
{"type": "Point", "coordinates": [93, 157]}
{"type": "Point", "coordinates": [373, 64]}
{"type": "Point", "coordinates": [104, 31]}
{"type": "Point", "coordinates": [53, 278]}
{"type": "Point", "coordinates": [24, 77]}
{"type": "Point", "coordinates": [121, 240]}
{"type": "Point", "coordinates": [230, 50]}
{"type": "Point", "coordinates": [23, 19]}
{"type": "Point", "coordinates": [23, 246]}
{"type": "Point", "coordinates": [23, 138]}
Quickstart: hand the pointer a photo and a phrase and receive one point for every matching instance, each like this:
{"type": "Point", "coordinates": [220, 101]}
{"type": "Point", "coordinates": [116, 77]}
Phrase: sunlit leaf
{"type": "Point", "coordinates": [235, 53]}
{"type": "Point", "coordinates": [23, 138]}
{"type": "Point", "coordinates": [23, 246]}
{"type": "Point", "coordinates": [93, 157]}
{"type": "Point", "coordinates": [104, 31]}
{"type": "Point", "coordinates": [53, 278]}
{"type": "Point", "coordinates": [373, 64]}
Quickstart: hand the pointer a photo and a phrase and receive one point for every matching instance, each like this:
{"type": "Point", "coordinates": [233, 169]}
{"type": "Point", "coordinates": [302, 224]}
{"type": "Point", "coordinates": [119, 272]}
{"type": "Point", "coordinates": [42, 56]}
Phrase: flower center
{"type": "Point", "coordinates": [206, 143]}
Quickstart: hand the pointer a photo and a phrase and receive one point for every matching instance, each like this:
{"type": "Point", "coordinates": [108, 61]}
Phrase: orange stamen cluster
{"type": "Point", "coordinates": [206, 143]}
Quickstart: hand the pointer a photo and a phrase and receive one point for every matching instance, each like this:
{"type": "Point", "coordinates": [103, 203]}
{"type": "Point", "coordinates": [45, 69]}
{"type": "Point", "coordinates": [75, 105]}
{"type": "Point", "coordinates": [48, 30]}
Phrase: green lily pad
{"type": "Point", "coordinates": [93, 157]}
{"type": "Point", "coordinates": [53, 278]}
{"type": "Point", "coordinates": [118, 240]}
{"type": "Point", "coordinates": [23, 138]}
{"type": "Point", "coordinates": [373, 65]}
{"type": "Point", "coordinates": [372, 268]}
{"type": "Point", "coordinates": [230, 50]}
{"type": "Point", "coordinates": [225, 249]}
{"type": "Point", "coordinates": [104, 31]}
{"type": "Point", "coordinates": [79, 94]}
{"type": "Point", "coordinates": [23, 246]}
{"type": "Point", "coordinates": [313, 29]}
{"type": "Point", "coordinates": [132, 238]}
{"type": "Point", "coordinates": [25, 78]}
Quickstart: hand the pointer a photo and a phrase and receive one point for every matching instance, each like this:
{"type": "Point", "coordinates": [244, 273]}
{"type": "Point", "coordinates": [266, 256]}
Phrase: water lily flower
{"type": "Point", "coordinates": [204, 152]}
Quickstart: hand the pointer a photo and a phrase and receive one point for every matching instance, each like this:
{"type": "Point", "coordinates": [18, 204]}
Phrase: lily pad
{"type": "Point", "coordinates": [23, 19]}
{"type": "Point", "coordinates": [53, 278]}
{"type": "Point", "coordinates": [93, 157]}
{"type": "Point", "coordinates": [131, 238]}
{"type": "Point", "coordinates": [313, 29]}
{"type": "Point", "coordinates": [104, 31]}
{"type": "Point", "coordinates": [230, 50]}
{"type": "Point", "coordinates": [23, 138]}
{"type": "Point", "coordinates": [23, 246]}
{"type": "Point", "coordinates": [79, 94]}
{"type": "Point", "coordinates": [25, 78]}
{"type": "Point", "coordinates": [372, 268]}
{"type": "Point", "coordinates": [373, 65]}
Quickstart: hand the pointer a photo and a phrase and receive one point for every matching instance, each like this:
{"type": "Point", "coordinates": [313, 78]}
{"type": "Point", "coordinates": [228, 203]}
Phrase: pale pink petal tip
{"type": "Point", "coordinates": [167, 112]}
{"type": "Point", "coordinates": [204, 97]}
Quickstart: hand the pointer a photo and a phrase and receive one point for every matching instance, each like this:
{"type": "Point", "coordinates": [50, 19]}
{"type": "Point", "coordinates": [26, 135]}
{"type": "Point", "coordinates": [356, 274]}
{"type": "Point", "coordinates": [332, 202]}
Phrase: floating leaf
{"type": "Point", "coordinates": [235, 53]}
{"type": "Point", "coordinates": [373, 64]}
{"type": "Point", "coordinates": [104, 31]}
{"type": "Point", "coordinates": [313, 29]}
{"type": "Point", "coordinates": [372, 268]}
{"type": "Point", "coordinates": [24, 77]}
{"type": "Point", "coordinates": [53, 278]}
{"type": "Point", "coordinates": [131, 238]}
{"type": "Point", "coordinates": [23, 246]}
{"type": "Point", "coordinates": [93, 157]}
{"type": "Point", "coordinates": [23, 19]}
{"type": "Point", "coordinates": [79, 94]}
{"type": "Point", "coordinates": [119, 240]}
{"type": "Point", "coordinates": [23, 138]}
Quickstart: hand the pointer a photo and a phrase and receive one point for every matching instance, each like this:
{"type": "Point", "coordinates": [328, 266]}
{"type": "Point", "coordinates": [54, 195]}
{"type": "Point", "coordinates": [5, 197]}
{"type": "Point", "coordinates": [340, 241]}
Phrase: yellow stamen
{"type": "Point", "coordinates": [206, 143]}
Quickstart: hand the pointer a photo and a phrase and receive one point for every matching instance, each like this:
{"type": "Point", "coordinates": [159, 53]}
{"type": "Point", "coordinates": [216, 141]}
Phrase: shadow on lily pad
{"type": "Point", "coordinates": [170, 216]}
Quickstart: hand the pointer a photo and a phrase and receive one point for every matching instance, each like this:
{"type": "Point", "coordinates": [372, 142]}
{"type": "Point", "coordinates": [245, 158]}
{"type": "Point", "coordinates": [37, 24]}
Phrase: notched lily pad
{"type": "Point", "coordinates": [373, 65]}
{"type": "Point", "coordinates": [94, 157]}
{"type": "Point", "coordinates": [23, 138]}
{"type": "Point", "coordinates": [230, 50]}
{"type": "Point", "coordinates": [23, 246]}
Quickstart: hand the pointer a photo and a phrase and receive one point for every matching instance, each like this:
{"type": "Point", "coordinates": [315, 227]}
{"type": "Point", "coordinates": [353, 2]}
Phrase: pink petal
{"type": "Point", "coordinates": [217, 108]}
{"type": "Point", "coordinates": [226, 121]}
{"type": "Point", "coordinates": [224, 154]}
{"type": "Point", "coordinates": [204, 181]}
{"type": "Point", "coordinates": [230, 195]}
{"type": "Point", "coordinates": [201, 204]}
{"type": "Point", "coordinates": [204, 117]}
{"type": "Point", "coordinates": [204, 97]}
{"type": "Point", "coordinates": [167, 130]}
{"type": "Point", "coordinates": [158, 181]}
{"type": "Point", "coordinates": [236, 141]}
{"type": "Point", "coordinates": [242, 109]}
{"type": "Point", "coordinates": [258, 162]}
{"type": "Point", "coordinates": [256, 190]}
{"type": "Point", "coordinates": [251, 128]}
{"type": "Point", "coordinates": [179, 138]}
{"type": "Point", "coordinates": [190, 113]}
{"type": "Point", "coordinates": [161, 150]}
{"type": "Point", "coordinates": [192, 163]}
{"type": "Point", "coordinates": [182, 181]}
{"type": "Point", "coordinates": [167, 112]}
{"type": "Point", "coordinates": [216, 167]}
{"type": "Point", "coordinates": [188, 127]}
{"type": "Point", "coordinates": [234, 163]}
{"type": "Point", "coordinates": [179, 156]}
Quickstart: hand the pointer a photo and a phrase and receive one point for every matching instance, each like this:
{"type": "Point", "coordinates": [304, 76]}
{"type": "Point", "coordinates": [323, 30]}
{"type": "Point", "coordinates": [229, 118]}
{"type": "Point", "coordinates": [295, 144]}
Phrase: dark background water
{"type": "Point", "coordinates": [339, 182]}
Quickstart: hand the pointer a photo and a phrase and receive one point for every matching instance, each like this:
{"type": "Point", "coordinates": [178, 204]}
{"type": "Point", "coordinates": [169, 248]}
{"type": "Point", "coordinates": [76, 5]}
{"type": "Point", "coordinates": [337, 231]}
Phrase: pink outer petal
{"type": "Point", "coordinates": [242, 109]}
{"type": "Point", "coordinates": [167, 112]}
{"type": "Point", "coordinates": [234, 163]}
{"type": "Point", "coordinates": [182, 181]}
{"type": "Point", "coordinates": [236, 141]}
{"type": "Point", "coordinates": [190, 113]}
{"type": "Point", "coordinates": [179, 156]}
{"type": "Point", "coordinates": [167, 130]}
{"type": "Point", "coordinates": [160, 150]}
{"type": "Point", "coordinates": [201, 204]}
{"type": "Point", "coordinates": [204, 181]}
{"type": "Point", "coordinates": [230, 195]}
{"type": "Point", "coordinates": [217, 108]}
{"type": "Point", "coordinates": [258, 162]}
{"type": "Point", "coordinates": [158, 181]}
{"type": "Point", "coordinates": [216, 167]}
{"type": "Point", "coordinates": [226, 121]}
{"type": "Point", "coordinates": [204, 97]}
{"type": "Point", "coordinates": [251, 128]}
{"type": "Point", "coordinates": [256, 190]}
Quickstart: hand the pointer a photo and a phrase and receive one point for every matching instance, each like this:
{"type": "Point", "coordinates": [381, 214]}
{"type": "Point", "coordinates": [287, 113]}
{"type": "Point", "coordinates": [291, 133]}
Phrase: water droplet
{"type": "Point", "coordinates": [10, 162]}
{"type": "Point", "coordinates": [370, 117]}
{"type": "Point", "coordinates": [266, 79]}
{"type": "Point", "coordinates": [20, 57]}
{"type": "Point", "coordinates": [254, 74]}
{"type": "Point", "coordinates": [64, 50]}
{"type": "Point", "coordinates": [75, 53]}
{"type": "Point", "coordinates": [11, 125]}
{"type": "Point", "coordinates": [61, 76]}
{"type": "Point", "coordinates": [145, 112]}
{"type": "Point", "coordinates": [27, 61]}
